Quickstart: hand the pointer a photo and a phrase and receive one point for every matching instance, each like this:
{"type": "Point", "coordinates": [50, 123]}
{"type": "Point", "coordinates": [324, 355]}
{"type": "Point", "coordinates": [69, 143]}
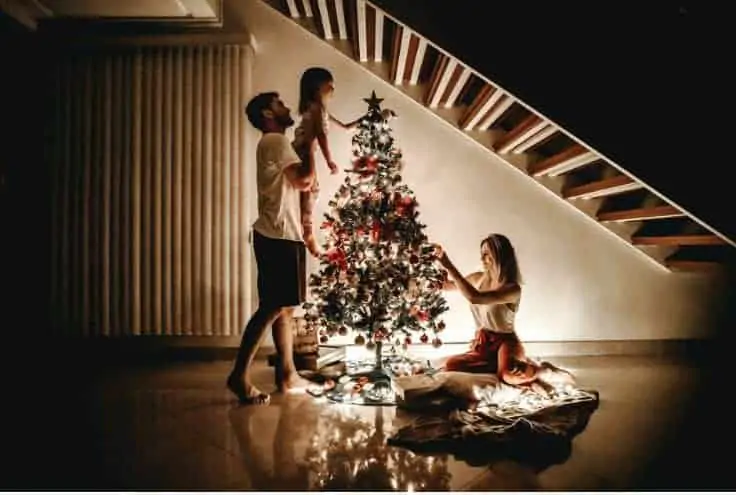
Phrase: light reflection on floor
{"type": "Point", "coordinates": [175, 427]}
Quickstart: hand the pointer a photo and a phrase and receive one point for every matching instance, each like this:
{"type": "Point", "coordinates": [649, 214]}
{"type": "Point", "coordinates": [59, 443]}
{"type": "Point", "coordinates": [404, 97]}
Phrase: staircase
{"type": "Point", "coordinates": [521, 137]}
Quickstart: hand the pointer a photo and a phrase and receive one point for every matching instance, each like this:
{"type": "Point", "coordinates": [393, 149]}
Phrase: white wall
{"type": "Point", "coordinates": [580, 282]}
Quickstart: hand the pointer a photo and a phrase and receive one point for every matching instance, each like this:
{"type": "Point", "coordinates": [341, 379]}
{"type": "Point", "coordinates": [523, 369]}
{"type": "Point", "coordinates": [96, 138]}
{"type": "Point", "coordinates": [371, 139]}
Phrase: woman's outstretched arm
{"type": "Point", "coordinates": [451, 285]}
{"type": "Point", "coordinates": [507, 294]}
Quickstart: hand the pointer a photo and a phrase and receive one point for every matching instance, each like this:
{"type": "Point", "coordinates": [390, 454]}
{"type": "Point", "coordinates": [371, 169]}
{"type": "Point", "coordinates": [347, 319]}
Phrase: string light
{"type": "Point", "coordinates": [365, 384]}
{"type": "Point", "coordinates": [513, 403]}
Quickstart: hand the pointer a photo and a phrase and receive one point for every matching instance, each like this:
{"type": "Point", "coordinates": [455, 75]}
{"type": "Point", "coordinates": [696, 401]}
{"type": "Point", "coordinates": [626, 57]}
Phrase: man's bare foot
{"type": "Point", "coordinates": [246, 393]}
{"type": "Point", "coordinates": [294, 383]}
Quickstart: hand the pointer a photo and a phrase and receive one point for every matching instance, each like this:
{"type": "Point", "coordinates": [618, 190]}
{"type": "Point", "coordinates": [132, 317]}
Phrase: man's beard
{"type": "Point", "coordinates": [286, 121]}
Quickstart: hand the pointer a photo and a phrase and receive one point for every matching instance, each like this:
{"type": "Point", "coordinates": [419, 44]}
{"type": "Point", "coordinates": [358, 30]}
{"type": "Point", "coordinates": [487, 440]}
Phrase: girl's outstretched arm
{"type": "Point", "coordinates": [349, 126]}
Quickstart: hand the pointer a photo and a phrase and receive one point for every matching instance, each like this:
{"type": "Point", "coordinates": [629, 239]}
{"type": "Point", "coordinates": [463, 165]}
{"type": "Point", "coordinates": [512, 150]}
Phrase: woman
{"type": "Point", "coordinates": [494, 296]}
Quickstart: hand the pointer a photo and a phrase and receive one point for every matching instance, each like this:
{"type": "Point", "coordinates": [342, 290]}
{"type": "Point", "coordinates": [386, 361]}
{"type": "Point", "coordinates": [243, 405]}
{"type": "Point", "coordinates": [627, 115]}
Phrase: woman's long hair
{"type": "Point", "coordinates": [504, 256]}
{"type": "Point", "coordinates": [309, 85]}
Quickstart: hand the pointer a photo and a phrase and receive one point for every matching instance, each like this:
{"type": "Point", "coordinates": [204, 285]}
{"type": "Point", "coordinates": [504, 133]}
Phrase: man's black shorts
{"type": "Point", "coordinates": [282, 271]}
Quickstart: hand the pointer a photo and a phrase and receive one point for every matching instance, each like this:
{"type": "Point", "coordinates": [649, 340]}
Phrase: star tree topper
{"type": "Point", "coordinates": [374, 103]}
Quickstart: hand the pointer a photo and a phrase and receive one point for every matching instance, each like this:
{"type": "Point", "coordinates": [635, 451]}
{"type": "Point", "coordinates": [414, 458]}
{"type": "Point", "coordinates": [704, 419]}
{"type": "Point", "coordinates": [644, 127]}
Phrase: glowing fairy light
{"type": "Point", "coordinates": [364, 384]}
{"type": "Point", "coordinates": [511, 402]}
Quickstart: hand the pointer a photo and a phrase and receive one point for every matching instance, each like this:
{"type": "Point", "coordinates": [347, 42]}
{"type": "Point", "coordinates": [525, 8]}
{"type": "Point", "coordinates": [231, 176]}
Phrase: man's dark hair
{"type": "Point", "coordinates": [257, 105]}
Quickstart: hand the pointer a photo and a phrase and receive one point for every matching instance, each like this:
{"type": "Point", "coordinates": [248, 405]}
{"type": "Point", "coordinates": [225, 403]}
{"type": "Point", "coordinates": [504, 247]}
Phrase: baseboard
{"type": "Point", "coordinates": [675, 348]}
{"type": "Point", "coordinates": [186, 348]}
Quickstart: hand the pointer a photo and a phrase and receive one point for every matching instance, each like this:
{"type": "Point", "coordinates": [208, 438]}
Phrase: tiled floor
{"type": "Point", "coordinates": [176, 427]}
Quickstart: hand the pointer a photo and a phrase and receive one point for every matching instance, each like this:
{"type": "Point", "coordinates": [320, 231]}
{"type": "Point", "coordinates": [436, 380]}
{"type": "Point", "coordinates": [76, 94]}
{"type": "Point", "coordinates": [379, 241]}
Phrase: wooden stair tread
{"type": "Point", "coordinates": [570, 155]}
{"type": "Point", "coordinates": [678, 240]}
{"type": "Point", "coordinates": [619, 183]}
{"type": "Point", "coordinates": [646, 213]}
{"type": "Point", "coordinates": [517, 132]}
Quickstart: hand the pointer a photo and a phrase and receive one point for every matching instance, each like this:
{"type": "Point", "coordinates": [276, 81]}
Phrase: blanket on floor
{"type": "Point", "coordinates": [480, 419]}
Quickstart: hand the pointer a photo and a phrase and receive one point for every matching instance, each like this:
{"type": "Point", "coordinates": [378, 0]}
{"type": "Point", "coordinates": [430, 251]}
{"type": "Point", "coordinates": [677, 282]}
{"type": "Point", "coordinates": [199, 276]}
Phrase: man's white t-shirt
{"type": "Point", "coordinates": [278, 201]}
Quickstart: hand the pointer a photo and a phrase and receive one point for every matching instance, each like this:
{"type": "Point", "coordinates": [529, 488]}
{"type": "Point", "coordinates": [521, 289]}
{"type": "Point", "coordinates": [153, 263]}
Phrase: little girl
{"type": "Point", "coordinates": [315, 89]}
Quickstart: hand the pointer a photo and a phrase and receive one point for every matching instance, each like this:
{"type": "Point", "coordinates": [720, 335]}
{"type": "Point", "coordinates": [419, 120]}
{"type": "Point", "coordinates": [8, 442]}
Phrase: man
{"type": "Point", "coordinates": [278, 245]}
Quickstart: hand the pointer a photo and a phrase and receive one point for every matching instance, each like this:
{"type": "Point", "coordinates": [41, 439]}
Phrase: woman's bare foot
{"type": "Point", "coordinates": [294, 383]}
{"type": "Point", "coordinates": [558, 375]}
{"type": "Point", "coordinates": [246, 393]}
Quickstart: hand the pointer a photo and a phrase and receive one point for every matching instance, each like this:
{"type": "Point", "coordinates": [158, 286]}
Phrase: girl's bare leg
{"type": "Point", "coordinates": [307, 206]}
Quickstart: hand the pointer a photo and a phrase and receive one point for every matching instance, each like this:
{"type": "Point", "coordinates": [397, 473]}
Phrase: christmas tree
{"type": "Point", "coordinates": [377, 277]}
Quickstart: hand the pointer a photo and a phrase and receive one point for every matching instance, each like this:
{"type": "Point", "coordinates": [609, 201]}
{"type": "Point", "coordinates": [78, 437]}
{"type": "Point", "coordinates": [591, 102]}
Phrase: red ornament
{"type": "Point", "coordinates": [323, 339]}
{"type": "Point", "coordinates": [342, 331]}
{"type": "Point", "coordinates": [366, 165]}
{"type": "Point", "coordinates": [440, 326]}
{"type": "Point", "coordinates": [436, 342]}
{"type": "Point", "coordinates": [337, 257]}
{"type": "Point", "coordinates": [407, 340]}
{"type": "Point", "coordinates": [376, 231]}
{"type": "Point", "coordinates": [413, 259]}
{"type": "Point", "coordinates": [422, 316]}
{"type": "Point", "coordinates": [424, 339]}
